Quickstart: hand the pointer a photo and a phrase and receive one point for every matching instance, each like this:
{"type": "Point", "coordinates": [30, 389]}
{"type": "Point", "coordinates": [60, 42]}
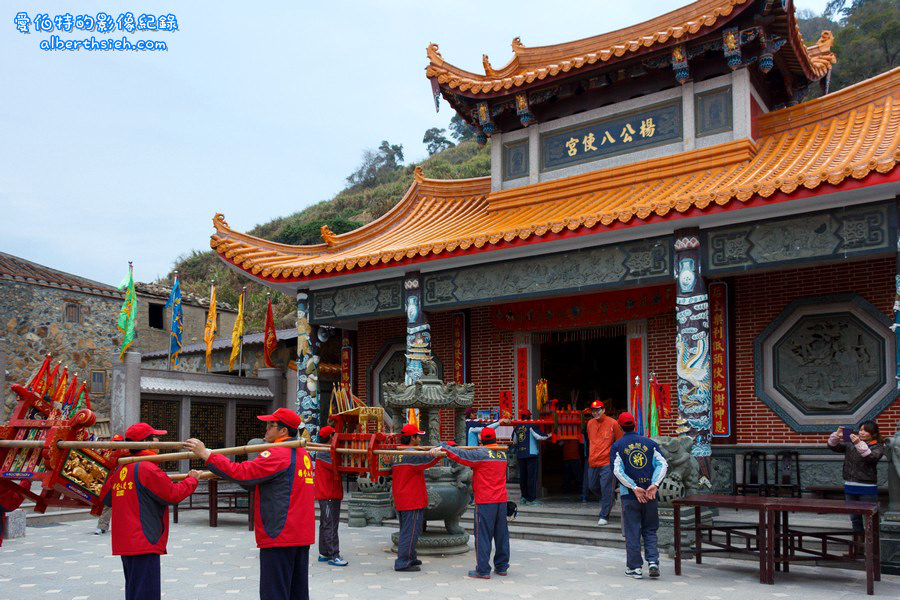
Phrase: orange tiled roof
{"type": "Point", "coordinates": [535, 64]}
{"type": "Point", "coordinates": [847, 134]}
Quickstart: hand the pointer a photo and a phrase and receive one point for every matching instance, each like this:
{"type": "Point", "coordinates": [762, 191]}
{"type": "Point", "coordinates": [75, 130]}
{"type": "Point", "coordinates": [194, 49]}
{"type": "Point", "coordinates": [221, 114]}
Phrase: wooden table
{"type": "Point", "coordinates": [786, 543]}
{"type": "Point", "coordinates": [213, 495]}
{"type": "Point", "coordinates": [775, 540]}
{"type": "Point", "coordinates": [698, 501]}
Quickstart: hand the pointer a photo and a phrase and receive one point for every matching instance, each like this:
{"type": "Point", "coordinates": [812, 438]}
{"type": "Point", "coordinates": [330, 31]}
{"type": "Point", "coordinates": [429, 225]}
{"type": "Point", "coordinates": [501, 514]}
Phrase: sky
{"type": "Point", "coordinates": [255, 110]}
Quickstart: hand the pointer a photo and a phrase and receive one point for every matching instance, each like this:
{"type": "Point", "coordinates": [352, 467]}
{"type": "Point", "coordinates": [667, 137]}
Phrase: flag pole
{"type": "Point", "coordinates": [212, 286]}
{"type": "Point", "coordinates": [241, 354]}
{"type": "Point", "coordinates": [169, 359]}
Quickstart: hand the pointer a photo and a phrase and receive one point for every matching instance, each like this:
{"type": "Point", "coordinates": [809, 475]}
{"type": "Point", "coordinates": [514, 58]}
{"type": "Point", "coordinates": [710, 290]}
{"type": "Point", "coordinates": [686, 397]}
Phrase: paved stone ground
{"type": "Point", "coordinates": [65, 561]}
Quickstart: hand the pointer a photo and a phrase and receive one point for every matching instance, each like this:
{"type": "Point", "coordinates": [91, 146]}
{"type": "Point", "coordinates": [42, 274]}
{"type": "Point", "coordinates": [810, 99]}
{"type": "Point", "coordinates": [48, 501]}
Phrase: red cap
{"type": "Point", "coordinates": [141, 431]}
{"type": "Point", "coordinates": [326, 431]}
{"type": "Point", "coordinates": [451, 443]}
{"type": "Point", "coordinates": [411, 430]}
{"type": "Point", "coordinates": [626, 420]}
{"type": "Point", "coordinates": [285, 415]}
{"type": "Point", "coordinates": [488, 435]}
{"type": "Point", "coordinates": [118, 438]}
{"type": "Point", "coordinates": [596, 404]}
{"type": "Point", "coordinates": [525, 413]}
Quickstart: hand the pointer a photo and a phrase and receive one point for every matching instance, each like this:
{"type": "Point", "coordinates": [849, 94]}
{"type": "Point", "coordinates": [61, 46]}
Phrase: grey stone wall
{"type": "Point", "coordinates": [151, 340]}
{"type": "Point", "coordinates": [253, 360]}
{"type": "Point", "coordinates": [32, 324]}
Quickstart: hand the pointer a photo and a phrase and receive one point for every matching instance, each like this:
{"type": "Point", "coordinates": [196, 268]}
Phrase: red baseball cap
{"type": "Point", "coordinates": [451, 443]}
{"type": "Point", "coordinates": [118, 438]}
{"type": "Point", "coordinates": [411, 430]}
{"type": "Point", "coordinates": [525, 413]}
{"type": "Point", "coordinates": [326, 431]}
{"type": "Point", "coordinates": [285, 415]}
{"type": "Point", "coordinates": [626, 420]}
{"type": "Point", "coordinates": [488, 435]}
{"type": "Point", "coordinates": [596, 404]}
{"type": "Point", "coordinates": [141, 431]}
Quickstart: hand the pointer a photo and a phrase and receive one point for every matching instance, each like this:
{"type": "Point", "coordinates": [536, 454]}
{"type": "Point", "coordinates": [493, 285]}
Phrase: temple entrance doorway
{"type": "Point", "coordinates": [580, 367]}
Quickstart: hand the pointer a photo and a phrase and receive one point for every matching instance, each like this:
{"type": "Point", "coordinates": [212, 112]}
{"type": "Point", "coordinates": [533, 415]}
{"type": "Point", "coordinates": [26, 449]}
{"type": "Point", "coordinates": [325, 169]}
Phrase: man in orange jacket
{"type": "Point", "coordinates": [285, 519]}
{"type": "Point", "coordinates": [140, 494]}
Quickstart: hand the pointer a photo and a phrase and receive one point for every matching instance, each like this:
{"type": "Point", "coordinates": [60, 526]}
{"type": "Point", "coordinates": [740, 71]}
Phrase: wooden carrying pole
{"type": "Point", "coordinates": [95, 445]}
{"type": "Point", "coordinates": [183, 476]}
{"type": "Point", "coordinates": [172, 456]}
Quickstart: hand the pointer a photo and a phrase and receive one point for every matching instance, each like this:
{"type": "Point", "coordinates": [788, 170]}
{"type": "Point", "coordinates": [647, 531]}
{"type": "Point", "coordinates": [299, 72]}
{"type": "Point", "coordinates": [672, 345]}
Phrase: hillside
{"type": "Point", "coordinates": [352, 207]}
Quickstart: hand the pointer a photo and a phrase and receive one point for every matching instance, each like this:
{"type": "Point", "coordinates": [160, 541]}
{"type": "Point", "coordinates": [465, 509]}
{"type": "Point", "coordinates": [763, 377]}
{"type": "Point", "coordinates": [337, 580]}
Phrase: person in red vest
{"type": "Point", "coordinates": [284, 508]}
{"type": "Point", "coordinates": [139, 495]}
{"type": "Point", "coordinates": [329, 494]}
{"type": "Point", "coordinates": [489, 482]}
{"type": "Point", "coordinates": [410, 497]}
{"type": "Point", "coordinates": [10, 501]}
{"type": "Point", "coordinates": [106, 515]}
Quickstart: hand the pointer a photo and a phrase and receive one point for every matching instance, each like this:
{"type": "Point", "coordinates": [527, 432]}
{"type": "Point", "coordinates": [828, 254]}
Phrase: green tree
{"type": "Point", "coordinates": [869, 41]}
{"type": "Point", "coordinates": [304, 234]}
{"type": "Point", "coordinates": [376, 163]}
{"type": "Point", "coordinates": [460, 130]}
{"type": "Point", "coordinates": [435, 141]}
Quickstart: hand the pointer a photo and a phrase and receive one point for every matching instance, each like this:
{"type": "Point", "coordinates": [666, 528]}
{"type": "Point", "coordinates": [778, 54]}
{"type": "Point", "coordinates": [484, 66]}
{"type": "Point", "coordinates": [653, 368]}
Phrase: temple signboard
{"type": "Point", "coordinates": [620, 134]}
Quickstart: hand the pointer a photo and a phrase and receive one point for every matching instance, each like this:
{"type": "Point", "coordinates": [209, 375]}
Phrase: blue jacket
{"type": "Point", "coordinates": [637, 462]}
{"type": "Point", "coordinates": [526, 438]}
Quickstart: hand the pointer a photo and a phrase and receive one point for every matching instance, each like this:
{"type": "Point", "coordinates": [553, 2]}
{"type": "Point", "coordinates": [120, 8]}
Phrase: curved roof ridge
{"type": "Point", "coordinates": [831, 105]}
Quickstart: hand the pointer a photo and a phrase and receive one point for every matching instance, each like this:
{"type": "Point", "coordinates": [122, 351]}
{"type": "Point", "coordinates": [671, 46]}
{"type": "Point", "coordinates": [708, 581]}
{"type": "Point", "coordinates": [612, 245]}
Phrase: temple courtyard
{"type": "Point", "coordinates": [67, 561]}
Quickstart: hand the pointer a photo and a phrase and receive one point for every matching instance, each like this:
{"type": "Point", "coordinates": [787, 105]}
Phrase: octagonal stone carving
{"type": "Point", "coordinates": [826, 362]}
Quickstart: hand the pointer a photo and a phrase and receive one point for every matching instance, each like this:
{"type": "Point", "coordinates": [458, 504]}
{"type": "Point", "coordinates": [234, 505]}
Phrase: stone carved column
{"type": "Point", "coordinates": [692, 343]}
{"type": "Point", "coordinates": [418, 331]}
{"type": "Point", "coordinates": [307, 368]}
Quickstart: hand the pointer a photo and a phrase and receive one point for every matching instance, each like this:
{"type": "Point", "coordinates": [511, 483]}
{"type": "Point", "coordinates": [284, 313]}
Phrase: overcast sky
{"type": "Point", "coordinates": [255, 110]}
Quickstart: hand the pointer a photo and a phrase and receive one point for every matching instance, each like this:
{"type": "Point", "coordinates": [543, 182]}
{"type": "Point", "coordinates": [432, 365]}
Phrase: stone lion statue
{"type": "Point", "coordinates": [684, 470]}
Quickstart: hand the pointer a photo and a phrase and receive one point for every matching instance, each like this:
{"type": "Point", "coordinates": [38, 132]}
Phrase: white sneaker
{"type": "Point", "coordinates": [99, 531]}
{"type": "Point", "coordinates": [634, 573]}
{"type": "Point", "coordinates": [602, 521]}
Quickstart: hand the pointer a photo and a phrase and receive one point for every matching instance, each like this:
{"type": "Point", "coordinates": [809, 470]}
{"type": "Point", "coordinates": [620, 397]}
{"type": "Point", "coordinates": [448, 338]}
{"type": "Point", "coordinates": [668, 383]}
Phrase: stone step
{"type": "Point", "coordinates": [57, 515]}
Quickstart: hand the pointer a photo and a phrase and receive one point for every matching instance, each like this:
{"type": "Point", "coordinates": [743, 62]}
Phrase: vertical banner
{"type": "Point", "coordinates": [522, 378]}
{"type": "Point", "coordinates": [506, 404]}
{"type": "Point", "coordinates": [347, 365]}
{"type": "Point", "coordinates": [459, 347]}
{"type": "Point", "coordinates": [721, 394]}
{"type": "Point", "coordinates": [636, 379]}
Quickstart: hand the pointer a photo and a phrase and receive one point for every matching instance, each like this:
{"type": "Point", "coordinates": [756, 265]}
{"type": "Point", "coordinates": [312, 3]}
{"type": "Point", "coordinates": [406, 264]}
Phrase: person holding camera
{"type": "Point", "coordinates": [861, 451]}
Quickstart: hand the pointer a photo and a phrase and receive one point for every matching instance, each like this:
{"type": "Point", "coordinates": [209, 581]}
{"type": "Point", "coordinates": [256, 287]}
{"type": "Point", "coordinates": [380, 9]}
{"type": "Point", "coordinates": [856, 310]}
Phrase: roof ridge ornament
{"type": "Point", "coordinates": [488, 69]}
{"type": "Point", "coordinates": [419, 174]}
{"type": "Point", "coordinates": [328, 235]}
{"type": "Point", "coordinates": [517, 45]}
{"type": "Point", "coordinates": [220, 223]}
{"type": "Point", "coordinates": [434, 54]}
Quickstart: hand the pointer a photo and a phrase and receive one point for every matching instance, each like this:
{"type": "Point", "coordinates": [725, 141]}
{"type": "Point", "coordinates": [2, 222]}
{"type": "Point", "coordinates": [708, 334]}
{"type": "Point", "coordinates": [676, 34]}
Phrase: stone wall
{"type": "Point", "coordinates": [32, 323]}
{"type": "Point", "coordinates": [151, 339]}
{"type": "Point", "coordinates": [253, 360]}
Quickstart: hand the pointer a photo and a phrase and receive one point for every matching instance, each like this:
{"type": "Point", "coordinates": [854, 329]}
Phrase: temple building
{"type": "Point", "coordinates": [663, 206]}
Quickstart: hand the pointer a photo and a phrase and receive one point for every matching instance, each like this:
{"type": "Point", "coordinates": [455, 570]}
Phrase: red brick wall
{"type": "Point", "coordinates": [370, 337]}
{"type": "Point", "coordinates": [760, 298]}
{"type": "Point", "coordinates": [661, 360]}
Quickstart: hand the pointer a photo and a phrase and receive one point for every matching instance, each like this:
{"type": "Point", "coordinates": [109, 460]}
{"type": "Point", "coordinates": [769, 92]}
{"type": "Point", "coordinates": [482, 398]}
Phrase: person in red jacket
{"type": "Point", "coordinates": [410, 497]}
{"type": "Point", "coordinates": [489, 482]}
{"type": "Point", "coordinates": [284, 509]}
{"type": "Point", "coordinates": [139, 495]}
{"type": "Point", "coordinates": [329, 494]}
{"type": "Point", "coordinates": [10, 501]}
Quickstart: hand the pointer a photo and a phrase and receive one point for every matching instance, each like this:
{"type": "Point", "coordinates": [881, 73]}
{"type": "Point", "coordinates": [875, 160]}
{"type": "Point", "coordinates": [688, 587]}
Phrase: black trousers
{"type": "Point", "coordinates": [329, 519]}
{"type": "Point", "coordinates": [142, 577]}
{"type": "Point", "coordinates": [284, 573]}
{"type": "Point", "coordinates": [410, 527]}
{"type": "Point", "coordinates": [528, 476]}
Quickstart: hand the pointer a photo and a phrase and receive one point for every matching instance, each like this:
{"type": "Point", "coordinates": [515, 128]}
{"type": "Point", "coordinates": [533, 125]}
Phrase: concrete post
{"type": "Point", "coordinates": [275, 379]}
{"type": "Point", "coordinates": [125, 406]}
{"type": "Point", "coordinates": [184, 428]}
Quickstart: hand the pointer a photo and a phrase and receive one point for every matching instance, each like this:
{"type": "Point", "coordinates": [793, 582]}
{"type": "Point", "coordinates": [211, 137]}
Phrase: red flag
{"type": "Point", "coordinates": [270, 340]}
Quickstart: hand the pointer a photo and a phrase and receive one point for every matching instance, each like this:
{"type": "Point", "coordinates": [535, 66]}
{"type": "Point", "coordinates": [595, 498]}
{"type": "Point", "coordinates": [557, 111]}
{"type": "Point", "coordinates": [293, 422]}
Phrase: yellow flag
{"type": "Point", "coordinates": [236, 334]}
{"type": "Point", "coordinates": [209, 334]}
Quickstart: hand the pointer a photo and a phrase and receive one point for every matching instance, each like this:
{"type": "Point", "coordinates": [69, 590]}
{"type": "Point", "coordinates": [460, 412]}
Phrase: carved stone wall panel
{"type": "Point", "coordinates": [381, 298]}
{"type": "Point", "coordinates": [826, 362]}
{"type": "Point", "coordinates": [645, 261]}
{"type": "Point", "coordinates": [818, 236]}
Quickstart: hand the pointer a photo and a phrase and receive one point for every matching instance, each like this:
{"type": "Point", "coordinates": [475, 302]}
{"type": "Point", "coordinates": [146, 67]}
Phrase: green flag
{"type": "Point", "coordinates": [127, 314]}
